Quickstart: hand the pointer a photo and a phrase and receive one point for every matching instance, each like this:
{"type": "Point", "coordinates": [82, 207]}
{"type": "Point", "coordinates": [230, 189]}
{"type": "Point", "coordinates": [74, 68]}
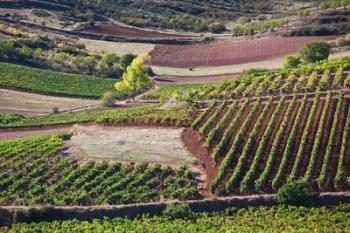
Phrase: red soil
{"type": "Point", "coordinates": [129, 32]}
{"type": "Point", "coordinates": [192, 142]}
{"type": "Point", "coordinates": [228, 53]}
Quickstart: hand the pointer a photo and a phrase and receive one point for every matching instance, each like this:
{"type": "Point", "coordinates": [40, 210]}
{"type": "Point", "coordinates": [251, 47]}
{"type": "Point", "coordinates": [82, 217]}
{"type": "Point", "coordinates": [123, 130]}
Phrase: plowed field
{"type": "Point", "coordinates": [228, 53]}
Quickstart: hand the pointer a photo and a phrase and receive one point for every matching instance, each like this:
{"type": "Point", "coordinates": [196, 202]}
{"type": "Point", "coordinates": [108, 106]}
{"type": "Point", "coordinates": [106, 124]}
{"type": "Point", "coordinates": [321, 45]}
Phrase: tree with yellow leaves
{"type": "Point", "coordinates": [135, 79]}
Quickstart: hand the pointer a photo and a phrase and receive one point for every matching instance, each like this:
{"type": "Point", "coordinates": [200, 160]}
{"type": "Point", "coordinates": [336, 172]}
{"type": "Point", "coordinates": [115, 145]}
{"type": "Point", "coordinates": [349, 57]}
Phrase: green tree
{"type": "Point", "coordinates": [61, 58]}
{"type": "Point", "coordinates": [135, 79]}
{"type": "Point", "coordinates": [126, 60]}
{"type": "Point", "coordinates": [109, 59]}
{"type": "Point", "coordinates": [315, 51]}
{"type": "Point", "coordinates": [90, 63]}
{"type": "Point", "coordinates": [291, 62]}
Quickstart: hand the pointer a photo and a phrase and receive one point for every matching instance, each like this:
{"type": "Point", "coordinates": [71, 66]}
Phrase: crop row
{"type": "Point", "coordinates": [251, 147]}
{"type": "Point", "coordinates": [36, 172]}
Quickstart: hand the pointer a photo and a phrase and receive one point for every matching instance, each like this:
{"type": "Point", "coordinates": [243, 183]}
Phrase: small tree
{"type": "Point", "coordinates": [126, 60]}
{"type": "Point", "coordinates": [291, 62]}
{"type": "Point", "coordinates": [296, 193]}
{"type": "Point", "coordinates": [135, 79]}
{"type": "Point", "coordinates": [90, 63]}
{"type": "Point", "coordinates": [108, 99]}
{"type": "Point", "coordinates": [315, 51]}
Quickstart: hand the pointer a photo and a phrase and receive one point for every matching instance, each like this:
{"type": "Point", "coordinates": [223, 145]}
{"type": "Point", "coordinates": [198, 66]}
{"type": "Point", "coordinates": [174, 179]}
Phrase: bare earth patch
{"type": "Point", "coordinates": [29, 104]}
{"type": "Point", "coordinates": [132, 144]}
{"type": "Point", "coordinates": [120, 48]}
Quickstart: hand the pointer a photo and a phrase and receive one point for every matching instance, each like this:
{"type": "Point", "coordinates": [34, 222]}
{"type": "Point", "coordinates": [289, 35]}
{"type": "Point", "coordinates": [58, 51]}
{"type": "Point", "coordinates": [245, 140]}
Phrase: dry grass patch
{"type": "Point", "coordinates": [132, 144]}
{"type": "Point", "coordinates": [30, 105]}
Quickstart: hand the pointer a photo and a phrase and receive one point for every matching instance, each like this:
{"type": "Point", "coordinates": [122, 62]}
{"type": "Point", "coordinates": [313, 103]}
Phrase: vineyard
{"type": "Point", "coordinates": [301, 132]}
{"type": "Point", "coordinates": [276, 219]}
{"type": "Point", "coordinates": [326, 76]}
{"type": "Point", "coordinates": [54, 83]}
{"type": "Point", "coordinates": [142, 115]}
{"type": "Point", "coordinates": [36, 170]}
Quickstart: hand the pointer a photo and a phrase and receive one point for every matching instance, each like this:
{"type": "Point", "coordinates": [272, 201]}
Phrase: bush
{"type": "Point", "coordinates": [315, 51]}
{"type": "Point", "coordinates": [291, 62]}
{"type": "Point", "coordinates": [296, 193]}
{"type": "Point", "coordinates": [217, 27]}
{"type": "Point", "coordinates": [177, 210]}
{"type": "Point", "coordinates": [108, 99]}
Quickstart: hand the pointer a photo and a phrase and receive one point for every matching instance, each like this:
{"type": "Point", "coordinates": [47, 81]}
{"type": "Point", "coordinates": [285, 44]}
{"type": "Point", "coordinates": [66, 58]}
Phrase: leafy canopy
{"type": "Point", "coordinates": [135, 79]}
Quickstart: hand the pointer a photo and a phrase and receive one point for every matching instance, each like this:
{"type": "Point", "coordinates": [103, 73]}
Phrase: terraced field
{"type": "Point", "coordinates": [259, 144]}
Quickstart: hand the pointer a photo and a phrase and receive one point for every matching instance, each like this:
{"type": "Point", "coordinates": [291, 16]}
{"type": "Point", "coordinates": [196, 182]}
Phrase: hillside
{"type": "Point", "coordinates": [298, 130]}
{"type": "Point", "coordinates": [195, 16]}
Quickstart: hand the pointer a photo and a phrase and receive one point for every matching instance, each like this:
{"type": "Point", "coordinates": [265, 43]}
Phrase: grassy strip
{"type": "Point", "coordinates": [149, 114]}
{"type": "Point", "coordinates": [54, 83]}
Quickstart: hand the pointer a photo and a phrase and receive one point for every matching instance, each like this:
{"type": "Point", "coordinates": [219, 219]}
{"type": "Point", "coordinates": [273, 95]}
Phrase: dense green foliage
{"type": "Point", "coordinates": [150, 114]}
{"type": "Point", "coordinates": [296, 193]}
{"type": "Point", "coordinates": [34, 171]}
{"type": "Point", "coordinates": [6, 118]}
{"type": "Point", "coordinates": [55, 83]}
{"type": "Point", "coordinates": [315, 51]}
{"type": "Point", "coordinates": [276, 219]}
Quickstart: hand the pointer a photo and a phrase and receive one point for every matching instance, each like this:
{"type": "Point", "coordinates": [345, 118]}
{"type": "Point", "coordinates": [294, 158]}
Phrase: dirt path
{"type": "Point", "coordinates": [20, 133]}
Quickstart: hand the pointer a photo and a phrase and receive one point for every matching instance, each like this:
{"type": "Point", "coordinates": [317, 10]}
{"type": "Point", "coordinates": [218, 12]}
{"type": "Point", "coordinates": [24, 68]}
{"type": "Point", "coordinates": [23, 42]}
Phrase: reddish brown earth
{"type": "Point", "coordinates": [193, 143]}
{"type": "Point", "coordinates": [4, 11]}
{"type": "Point", "coordinates": [228, 53]}
{"type": "Point", "coordinates": [128, 32]}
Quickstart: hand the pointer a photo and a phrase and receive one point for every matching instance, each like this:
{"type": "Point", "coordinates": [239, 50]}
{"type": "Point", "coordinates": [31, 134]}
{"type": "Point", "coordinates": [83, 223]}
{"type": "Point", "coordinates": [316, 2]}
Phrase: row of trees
{"type": "Point", "coordinates": [66, 58]}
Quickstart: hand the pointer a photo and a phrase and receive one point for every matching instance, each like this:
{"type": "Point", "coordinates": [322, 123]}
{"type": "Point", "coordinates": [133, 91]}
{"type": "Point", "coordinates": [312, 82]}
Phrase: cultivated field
{"type": "Point", "coordinates": [119, 48]}
{"type": "Point", "coordinates": [132, 144]}
{"type": "Point", "coordinates": [259, 146]}
{"type": "Point", "coordinates": [228, 53]}
{"type": "Point", "coordinates": [129, 32]}
{"type": "Point", "coordinates": [30, 105]}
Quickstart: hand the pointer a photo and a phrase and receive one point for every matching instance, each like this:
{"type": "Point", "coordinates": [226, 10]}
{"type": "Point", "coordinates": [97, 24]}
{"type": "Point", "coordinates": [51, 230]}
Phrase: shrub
{"type": "Point", "coordinates": [178, 211]}
{"type": "Point", "coordinates": [295, 193]}
{"type": "Point", "coordinates": [108, 99]}
{"type": "Point", "coordinates": [55, 110]}
{"type": "Point", "coordinates": [291, 62]}
{"type": "Point", "coordinates": [315, 51]}
{"type": "Point", "coordinates": [217, 27]}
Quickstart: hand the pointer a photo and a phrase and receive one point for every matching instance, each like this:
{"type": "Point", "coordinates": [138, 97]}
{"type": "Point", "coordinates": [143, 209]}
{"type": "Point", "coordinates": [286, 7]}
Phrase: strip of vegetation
{"type": "Point", "coordinates": [277, 180]}
{"type": "Point", "coordinates": [33, 171]}
{"type": "Point", "coordinates": [249, 176]}
{"type": "Point", "coordinates": [274, 219]}
{"type": "Point", "coordinates": [54, 83]}
{"type": "Point", "coordinates": [145, 115]}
